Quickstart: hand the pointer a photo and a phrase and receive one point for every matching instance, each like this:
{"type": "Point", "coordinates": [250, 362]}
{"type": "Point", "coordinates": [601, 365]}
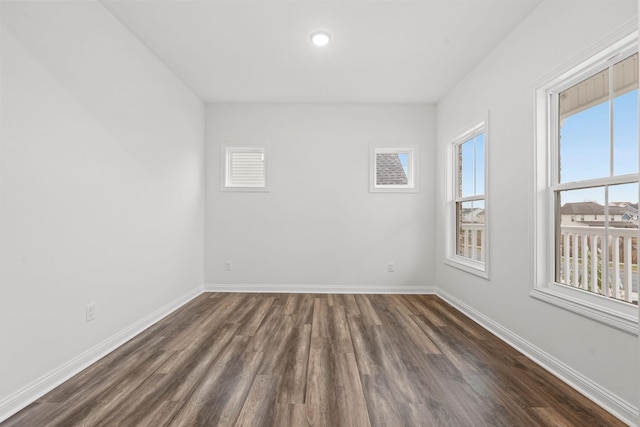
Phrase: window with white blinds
{"type": "Point", "coordinates": [245, 169]}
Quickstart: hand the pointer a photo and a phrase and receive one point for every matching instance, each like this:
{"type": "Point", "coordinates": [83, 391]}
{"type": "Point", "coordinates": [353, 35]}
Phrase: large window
{"type": "Point", "coordinates": [468, 208]}
{"type": "Point", "coordinates": [587, 134]}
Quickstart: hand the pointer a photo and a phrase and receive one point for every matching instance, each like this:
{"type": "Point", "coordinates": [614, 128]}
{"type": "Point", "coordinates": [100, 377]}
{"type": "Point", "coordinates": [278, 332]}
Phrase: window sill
{"type": "Point", "coordinates": [625, 318]}
{"type": "Point", "coordinates": [473, 267]}
{"type": "Point", "coordinates": [390, 189]}
{"type": "Point", "coordinates": [245, 189]}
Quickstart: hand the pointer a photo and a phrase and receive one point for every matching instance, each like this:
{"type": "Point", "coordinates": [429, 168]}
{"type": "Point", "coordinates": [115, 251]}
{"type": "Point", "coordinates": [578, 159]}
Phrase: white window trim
{"type": "Point", "coordinates": [413, 168]}
{"type": "Point", "coordinates": [452, 259]}
{"type": "Point", "coordinates": [224, 167]}
{"type": "Point", "coordinates": [618, 314]}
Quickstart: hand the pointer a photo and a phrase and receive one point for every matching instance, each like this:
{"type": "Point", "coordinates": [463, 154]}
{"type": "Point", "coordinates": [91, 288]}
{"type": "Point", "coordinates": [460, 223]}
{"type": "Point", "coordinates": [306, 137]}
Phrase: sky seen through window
{"type": "Point", "coordinates": [585, 149]}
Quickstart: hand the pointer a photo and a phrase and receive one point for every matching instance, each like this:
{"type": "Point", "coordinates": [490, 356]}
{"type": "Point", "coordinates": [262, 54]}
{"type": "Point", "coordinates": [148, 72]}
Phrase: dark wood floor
{"type": "Point", "coordinates": [326, 360]}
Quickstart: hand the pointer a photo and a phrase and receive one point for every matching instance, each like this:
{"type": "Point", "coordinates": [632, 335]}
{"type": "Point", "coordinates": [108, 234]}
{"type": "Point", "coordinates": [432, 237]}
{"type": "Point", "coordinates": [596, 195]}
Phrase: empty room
{"type": "Point", "coordinates": [322, 213]}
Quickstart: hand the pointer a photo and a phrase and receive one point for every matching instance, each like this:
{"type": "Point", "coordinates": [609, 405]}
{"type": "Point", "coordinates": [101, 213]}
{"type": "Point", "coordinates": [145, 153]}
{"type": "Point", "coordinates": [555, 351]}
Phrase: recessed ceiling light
{"type": "Point", "coordinates": [320, 38]}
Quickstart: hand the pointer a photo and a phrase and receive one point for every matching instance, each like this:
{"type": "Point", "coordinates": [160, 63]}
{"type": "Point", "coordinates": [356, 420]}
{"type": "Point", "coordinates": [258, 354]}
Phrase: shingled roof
{"type": "Point", "coordinates": [589, 208]}
{"type": "Point", "coordinates": [389, 170]}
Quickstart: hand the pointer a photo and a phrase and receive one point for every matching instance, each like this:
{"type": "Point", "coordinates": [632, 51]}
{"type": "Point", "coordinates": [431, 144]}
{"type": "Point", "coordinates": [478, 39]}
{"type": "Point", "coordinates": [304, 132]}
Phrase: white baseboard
{"type": "Point", "coordinates": [322, 289]}
{"type": "Point", "coordinates": [622, 409]}
{"type": "Point", "coordinates": [33, 391]}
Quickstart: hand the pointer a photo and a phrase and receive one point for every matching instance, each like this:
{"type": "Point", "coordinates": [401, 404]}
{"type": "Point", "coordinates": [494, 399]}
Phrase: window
{"type": "Point", "coordinates": [244, 169]}
{"type": "Point", "coordinates": [587, 158]}
{"type": "Point", "coordinates": [394, 169]}
{"type": "Point", "coordinates": [468, 234]}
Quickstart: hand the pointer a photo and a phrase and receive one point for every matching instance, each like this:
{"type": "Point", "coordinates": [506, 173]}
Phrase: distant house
{"type": "Point", "coordinates": [475, 215]}
{"type": "Point", "coordinates": [480, 217]}
{"type": "Point", "coordinates": [630, 211]}
{"type": "Point", "coordinates": [621, 214]}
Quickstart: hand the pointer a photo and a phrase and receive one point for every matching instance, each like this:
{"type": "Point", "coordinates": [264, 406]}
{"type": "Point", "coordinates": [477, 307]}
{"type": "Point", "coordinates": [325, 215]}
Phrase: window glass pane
{"type": "Point", "coordinates": [625, 197]}
{"type": "Point", "coordinates": [479, 141]}
{"type": "Point", "coordinates": [584, 129]}
{"type": "Point", "coordinates": [625, 131]}
{"type": "Point", "coordinates": [390, 170]}
{"type": "Point", "coordinates": [586, 237]}
{"type": "Point", "coordinates": [404, 161]}
{"type": "Point", "coordinates": [470, 229]}
{"type": "Point", "coordinates": [587, 202]}
{"type": "Point", "coordinates": [625, 116]}
{"type": "Point", "coordinates": [466, 166]}
{"type": "Point", "coordinates": [623, 247]}
{"type": "Point", "coordinates": [579, 238]}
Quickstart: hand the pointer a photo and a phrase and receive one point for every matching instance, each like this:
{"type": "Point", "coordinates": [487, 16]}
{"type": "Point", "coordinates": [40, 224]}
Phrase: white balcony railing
{"type": "Point", "coordinates": [471, 241]}
{"type": "Point", "coordinates": [581, 258]}
{"type": "Point", "coordinates": [582, 262]}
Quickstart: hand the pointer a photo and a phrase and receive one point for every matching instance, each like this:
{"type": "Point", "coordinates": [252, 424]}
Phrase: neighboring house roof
{"type": "Point", "coordinates": [582, 208]}
{"type": "Point", "coordinates": [472, 215]}
{"type": "Point", "coordinates": [478, 211]}
{"type": "Point", "coordinates": [389, 170]}
{"type": "Point", "coordinates": [616, 210]}
{"type": "Point", "coordinates": [625, 204]}
{"type": "Point", "coordinates": [590, 208]}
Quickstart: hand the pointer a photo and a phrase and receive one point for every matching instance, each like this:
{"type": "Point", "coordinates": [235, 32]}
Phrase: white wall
{"type": "Point", "coordinates": [102, 191]}
{"type": "Point", "coordinates": [552, 35]}
{"type": "Point", "coordinates": [101, 185]}
{"type": "Point", "coordinates": [319, 227]}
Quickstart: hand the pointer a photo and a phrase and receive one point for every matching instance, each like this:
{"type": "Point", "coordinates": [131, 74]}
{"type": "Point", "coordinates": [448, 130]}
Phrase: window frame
{"type": "Point", "coordinates": [452, 259]}
{"type": "Point", "coordinates": [226, 151]}
{"type": "Point", "coordinates": [612, 312]}
{"type": "Point", "coordinates": [413, 180]}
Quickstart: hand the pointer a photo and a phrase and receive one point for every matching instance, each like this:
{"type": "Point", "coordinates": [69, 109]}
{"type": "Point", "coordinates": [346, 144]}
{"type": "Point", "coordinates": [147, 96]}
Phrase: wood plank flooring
{"type": "Point", "coordinates": [314, 360]}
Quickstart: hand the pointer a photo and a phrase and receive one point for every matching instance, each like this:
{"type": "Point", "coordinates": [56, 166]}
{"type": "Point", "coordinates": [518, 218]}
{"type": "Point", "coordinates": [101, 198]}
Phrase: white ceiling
{"type": "Point", "coordinates": [382, 51]}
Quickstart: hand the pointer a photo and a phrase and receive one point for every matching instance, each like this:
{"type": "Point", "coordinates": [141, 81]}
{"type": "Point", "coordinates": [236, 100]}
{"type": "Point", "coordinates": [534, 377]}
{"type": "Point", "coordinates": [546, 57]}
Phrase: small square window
{"type": "Point", "coordinates": [394, 169]}
{"type": "Point", "coordinates": [244, 169]}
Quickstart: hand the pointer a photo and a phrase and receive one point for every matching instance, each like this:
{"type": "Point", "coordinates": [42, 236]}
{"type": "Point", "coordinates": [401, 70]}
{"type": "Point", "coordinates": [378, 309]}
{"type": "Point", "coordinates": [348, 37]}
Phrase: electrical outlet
{"type": "Point", "coordinates": [227, 265]}
{"type": "Point", "coordinates": [390, 267]}
{"type": "Point", "coordinates": [90, 311]}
